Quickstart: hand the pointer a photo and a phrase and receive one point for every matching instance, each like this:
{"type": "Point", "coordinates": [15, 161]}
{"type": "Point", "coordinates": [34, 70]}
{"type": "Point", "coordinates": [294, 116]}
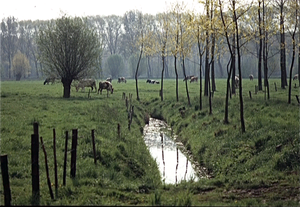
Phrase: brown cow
{"type": "Point", "coordinates": [86, 83]}
{"type": "Point", "coordinates": [188, 77]}
{"type": "Point", "coordinates": [194, 79]}
{"type": "Point", "coordinates": [105, 85]}
{"type": "Point", "coordinates": [50, 80]}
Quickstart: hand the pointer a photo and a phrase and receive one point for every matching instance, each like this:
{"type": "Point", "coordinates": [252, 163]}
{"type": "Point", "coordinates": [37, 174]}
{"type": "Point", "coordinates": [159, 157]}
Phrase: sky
{"type": "Point", "coordinates": [52, 9]}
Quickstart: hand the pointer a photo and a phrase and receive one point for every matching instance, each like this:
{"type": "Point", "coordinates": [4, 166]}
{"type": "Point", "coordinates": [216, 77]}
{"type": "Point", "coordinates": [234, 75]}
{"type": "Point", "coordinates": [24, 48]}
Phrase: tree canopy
{"type": "Point", "coordinates": [69, 49]}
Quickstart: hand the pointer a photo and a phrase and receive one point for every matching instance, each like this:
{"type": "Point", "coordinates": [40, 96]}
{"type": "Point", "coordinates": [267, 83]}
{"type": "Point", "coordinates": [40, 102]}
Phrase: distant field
{"type": "Point", "coordinates": [125, 173]}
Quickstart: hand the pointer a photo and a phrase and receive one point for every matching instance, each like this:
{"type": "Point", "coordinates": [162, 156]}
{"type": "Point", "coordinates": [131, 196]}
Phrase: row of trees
{"type": "Point", "coordinates": [119, 34]}
{"type": "Point", "coordinates": [227, 33]}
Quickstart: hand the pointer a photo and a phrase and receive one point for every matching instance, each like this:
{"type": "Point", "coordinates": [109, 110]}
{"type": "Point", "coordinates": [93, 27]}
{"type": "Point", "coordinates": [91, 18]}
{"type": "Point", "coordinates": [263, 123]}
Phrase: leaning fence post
{"type": "Point", "coordinates": [93, 142]}
{"type": "Point", "coordinates": [47, 169]}
{"type": "Point", "coordinates": [35, 168]}
{"type": "Point", "coordinates": [298, 99]}
{"type": "Point", "coordinates": [73, 153]}
{"type": "Point", "coordinates": [250, 94]}
{"type": "Point", "coordinates": [65, 160]}
{"type": "Point", "coordinates": [5, 180]}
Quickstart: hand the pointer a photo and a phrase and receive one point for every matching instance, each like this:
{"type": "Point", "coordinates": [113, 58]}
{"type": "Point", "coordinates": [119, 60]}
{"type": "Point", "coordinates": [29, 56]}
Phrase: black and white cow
{"type": "Point", "coordinates": [236, 81]}
{"type": "Point", "coordinates": [122, 79]}
{"type": "Point", "coordinates": [295, 77]}
{"type": "Point", "coordinates": [251, 77]}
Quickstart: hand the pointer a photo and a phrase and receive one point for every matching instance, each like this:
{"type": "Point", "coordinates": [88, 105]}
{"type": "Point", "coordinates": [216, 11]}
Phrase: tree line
{"type": "Point", "coordinates": [230, 38]}
{"type": "Point", "coordinates": [119, 35]}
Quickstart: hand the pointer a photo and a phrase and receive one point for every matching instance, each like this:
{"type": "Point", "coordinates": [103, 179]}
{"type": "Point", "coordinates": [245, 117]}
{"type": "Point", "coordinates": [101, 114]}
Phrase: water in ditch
{"type": "Point", "coordinates": [173, 164]}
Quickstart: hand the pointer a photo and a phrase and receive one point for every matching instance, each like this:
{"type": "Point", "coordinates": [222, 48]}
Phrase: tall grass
{"type": "Point", "coordinates": [125, 173]}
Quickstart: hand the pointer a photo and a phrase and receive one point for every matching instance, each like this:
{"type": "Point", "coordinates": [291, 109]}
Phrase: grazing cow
{"type": "Point", "coordinates": [122, 79]}
{"type": "Point", "coordinates": [152, 81]}
{"type": "Point", "coordinates": [105, 85]}
{"type": "Point", "coordinates": [50, 80]}
{"type": "Point", "coordinates": [236, 81]}
{"type": "Point", "coordinates": [194, 79]}
{"type": "Point", "coordinates": [108, 79]}
{"type": "Point", "coordinates": [86, 83]}
{"type": "Point", "coordinates": [251, 77]}
{"type": "Point", "coordinates": [295, 77]}
{"type": "Point", "coordinates": [188, 77]}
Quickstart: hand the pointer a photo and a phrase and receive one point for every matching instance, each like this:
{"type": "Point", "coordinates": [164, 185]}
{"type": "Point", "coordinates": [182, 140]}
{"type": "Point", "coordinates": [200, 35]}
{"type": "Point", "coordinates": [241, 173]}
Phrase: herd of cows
{"type": "Point", "coordinates": [107, 85]}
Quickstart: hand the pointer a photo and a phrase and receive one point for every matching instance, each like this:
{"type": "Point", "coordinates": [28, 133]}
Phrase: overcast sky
{"type": "Point", "coordinates": [52, 9]}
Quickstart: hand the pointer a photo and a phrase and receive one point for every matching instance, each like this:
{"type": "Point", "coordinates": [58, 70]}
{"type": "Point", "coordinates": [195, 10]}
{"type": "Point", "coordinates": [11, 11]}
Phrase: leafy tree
{"type": "Point", "coordinates": [114, 65]}
{"type": "Point", "coordinates": [69, 49]}
{"type": "Point", "coordinates": [20, 66]}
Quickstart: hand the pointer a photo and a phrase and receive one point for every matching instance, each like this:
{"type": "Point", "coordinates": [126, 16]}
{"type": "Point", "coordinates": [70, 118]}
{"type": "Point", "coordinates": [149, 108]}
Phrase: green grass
{"type": "Point", "coordinates": [258, 167]}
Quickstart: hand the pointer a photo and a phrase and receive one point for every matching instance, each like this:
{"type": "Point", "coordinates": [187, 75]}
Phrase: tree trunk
{"type": "Point", "coordinates": [200, 70]}
{"type": "Point", "coordinates": [186, 86]}
{"type": "Point", "coordinates": [18, 77]}
{"type": "Point", "coordinates": [162, 79]}
{"type": "Point", "coordinates": [136, 75]}
{"type": "Point", "coordinates": [206, 79]}
{"type": "Point", "coordinates": [233, 65]}
{"type": "Point", "coordinates": [67, 87]}
{"type": "Point", "coordinates": [260, 49]}
{"type": "Point", "coordinates": [240, 71]}
{"type": "Point", "coordinates": [282, 51]}
{"type": "Point", "coordinates": [176, 72]}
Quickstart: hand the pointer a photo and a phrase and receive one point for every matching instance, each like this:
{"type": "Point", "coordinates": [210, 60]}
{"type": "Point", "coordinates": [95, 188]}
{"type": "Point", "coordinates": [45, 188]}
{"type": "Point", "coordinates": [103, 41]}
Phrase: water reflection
{"type": "Point", "coordinates": [173, 164]}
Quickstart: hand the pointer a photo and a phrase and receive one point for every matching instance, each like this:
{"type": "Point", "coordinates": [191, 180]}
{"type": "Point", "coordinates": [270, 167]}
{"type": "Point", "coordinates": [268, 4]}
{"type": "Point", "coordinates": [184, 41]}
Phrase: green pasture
{"type": "Point", "coordinates": [258, 167]}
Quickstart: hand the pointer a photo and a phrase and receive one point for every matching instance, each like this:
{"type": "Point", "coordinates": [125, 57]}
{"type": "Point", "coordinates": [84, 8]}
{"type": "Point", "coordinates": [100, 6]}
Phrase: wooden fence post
{"type": "Point", "coordinates": [73, 153]}
{"type": "Point", "coordinates": [93, 142]}
{"type": "Point", "coordinates": [275, 87]}
{"type": "Point", "coordinates": [256, 89]}
{"type": "Point", "coordinates": [5, 180]}
{"type": "Point", "coordinates": [36, 129]}
{"type": "Point", "coordinates": [47, 170]}
{"type": "Point", "coordinates": [55, 163]}
{"type": "Point", "coordinates": [250, 95]}
{"type": "Point", "coordinates": [119, 131]}
{"type": "Point", "coordinates": [35, 168]}
{"type": "Point", "coordinates": [65, 160]}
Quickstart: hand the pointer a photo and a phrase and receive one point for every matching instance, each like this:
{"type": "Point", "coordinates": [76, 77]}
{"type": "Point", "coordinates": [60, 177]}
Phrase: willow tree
{"type": "Point", "coordinates": [69, 48]}
{"type": "Point", "coordinates": [20, 66]}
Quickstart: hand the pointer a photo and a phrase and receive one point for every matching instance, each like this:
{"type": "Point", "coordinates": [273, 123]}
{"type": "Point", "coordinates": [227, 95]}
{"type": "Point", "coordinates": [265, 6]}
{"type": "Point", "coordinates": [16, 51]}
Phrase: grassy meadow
{"type": "Point", "coordinates": [258, 167]}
